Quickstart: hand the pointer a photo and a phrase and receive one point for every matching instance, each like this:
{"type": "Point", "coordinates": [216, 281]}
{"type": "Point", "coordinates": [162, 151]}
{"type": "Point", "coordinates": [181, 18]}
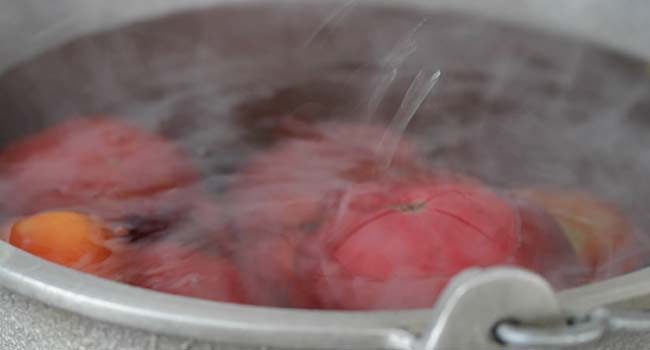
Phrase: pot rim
{"type": "Point", "coordinates": [606, 26]}
{"type": "Point", "coordinates": [148, 310]}
{"type": "Point", "coordinates": [125, 305]}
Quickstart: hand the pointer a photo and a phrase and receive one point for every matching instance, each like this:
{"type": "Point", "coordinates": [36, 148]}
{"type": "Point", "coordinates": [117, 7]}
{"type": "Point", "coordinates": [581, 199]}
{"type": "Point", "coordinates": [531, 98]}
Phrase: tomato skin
{"type": "Point", "coordinates": [171, 267]}
{"type": "Point", "coordinates": [290, 186]}
{"type": "Point", "coordinates": [98, 164]}
{"type": "Point", "coordinates": [601, 237]}
{"type": "Point", "coordinates": [70, 239]}
{"type": "Point", "coordinates": [269, 268]}
{"type": "Point", "coordinates": [545, 248]}
{"type": "Point", "coordinates": [397, 246]}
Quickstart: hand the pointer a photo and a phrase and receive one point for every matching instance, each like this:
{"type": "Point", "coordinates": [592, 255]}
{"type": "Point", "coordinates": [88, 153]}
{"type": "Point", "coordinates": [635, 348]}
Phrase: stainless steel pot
{"type": "Point", "coordinates": [43, 306]}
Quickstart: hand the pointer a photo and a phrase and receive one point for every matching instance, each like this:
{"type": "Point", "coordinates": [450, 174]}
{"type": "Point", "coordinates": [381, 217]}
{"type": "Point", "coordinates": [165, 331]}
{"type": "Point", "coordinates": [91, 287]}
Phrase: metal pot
{"type": "Point", "coordinates": [48, 307]}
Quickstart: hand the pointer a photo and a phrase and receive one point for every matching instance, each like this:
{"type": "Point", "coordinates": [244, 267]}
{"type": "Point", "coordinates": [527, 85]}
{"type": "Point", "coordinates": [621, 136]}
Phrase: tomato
{"type": "Point", "coordinates": [600, 235]}
{"type": "Point", "coordinates": [290, 186]}
{"type": "Point", "coordinates": [545, 249]}
{"type": "Point", "coordinates": [66, 238]}
{"type": "Point", "coordinates": [172, 267]}
{"type": "Point", "coordinates": [99, 164]}
{"type": "Point", "coordinates": [397, 246]}
{"type": "Point", "coordinates": [269, 272]}
{"type": "Point", "coordinates": [186, 255]}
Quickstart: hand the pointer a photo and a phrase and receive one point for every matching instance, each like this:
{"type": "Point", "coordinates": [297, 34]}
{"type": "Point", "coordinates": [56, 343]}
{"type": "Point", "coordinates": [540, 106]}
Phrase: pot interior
{"type": "Point", "coordinates": [513, 107]}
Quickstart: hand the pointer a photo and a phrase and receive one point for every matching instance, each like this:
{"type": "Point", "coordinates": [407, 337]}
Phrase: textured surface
{"type": "Point", "coordinates": [33, 326]}
{"type": "Point", "coordinates": [30, 325]}
{"type": "Point", "coordinates": [622, 341]}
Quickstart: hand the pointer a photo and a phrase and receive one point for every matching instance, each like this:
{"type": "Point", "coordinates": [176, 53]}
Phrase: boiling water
{"type": "Point", "coordinates": [512, 107]}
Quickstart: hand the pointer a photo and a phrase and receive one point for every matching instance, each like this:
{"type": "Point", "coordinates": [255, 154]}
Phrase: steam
{"type": "Point", "coordinates": [516, 109]}
{"type": "Point", "coordinates": [392, 63]}
{"type": "Point", "coordinates": [419, 90]}
{"type": "Point", "coordinates": [339, 14]}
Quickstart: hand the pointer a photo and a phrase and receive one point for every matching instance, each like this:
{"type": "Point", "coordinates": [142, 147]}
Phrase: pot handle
{"type": "Point", "coordinates": [477, 301]}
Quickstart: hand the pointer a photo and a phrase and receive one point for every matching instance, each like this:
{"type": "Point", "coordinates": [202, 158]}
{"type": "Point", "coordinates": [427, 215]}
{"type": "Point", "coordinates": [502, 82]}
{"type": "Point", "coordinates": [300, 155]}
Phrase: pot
{"type": "Point", "coordinates": [129, 58]}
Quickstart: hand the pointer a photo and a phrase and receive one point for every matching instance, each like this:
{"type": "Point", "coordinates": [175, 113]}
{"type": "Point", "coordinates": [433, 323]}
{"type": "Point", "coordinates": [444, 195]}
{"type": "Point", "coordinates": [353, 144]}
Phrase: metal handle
{"type": "Point", "coordinates": [477, 300]}
{"type": "Point", "coordinates": [630, 288]}
{"type": "Point", "coordinates": [498, 308]}
{"type": "Point", "coordinates": [595, 327]}
{"type": "Point", "coordinates": [515, 334]}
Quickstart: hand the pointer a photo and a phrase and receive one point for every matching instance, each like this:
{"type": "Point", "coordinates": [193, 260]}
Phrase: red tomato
{"type": "Point", "coordinates": [545, 249]}
{"type": "Point", "coordinates": [269, 272]}
{"type": "Point", "coordinates": [94, 163]}
{"type": "Point", "coordinates": [600, 235]}
{"type": "Point", "coordinates": [170, 267]}
{"type": "Point", "coordinates": [397, 246]}
{"type": "Point", "coordinates": [289, 186]}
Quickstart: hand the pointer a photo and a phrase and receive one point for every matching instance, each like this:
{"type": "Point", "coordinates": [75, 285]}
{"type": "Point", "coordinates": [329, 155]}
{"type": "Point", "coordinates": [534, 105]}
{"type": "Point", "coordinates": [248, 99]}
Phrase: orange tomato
{"type": "Point", "coordinates": [67, 238]}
